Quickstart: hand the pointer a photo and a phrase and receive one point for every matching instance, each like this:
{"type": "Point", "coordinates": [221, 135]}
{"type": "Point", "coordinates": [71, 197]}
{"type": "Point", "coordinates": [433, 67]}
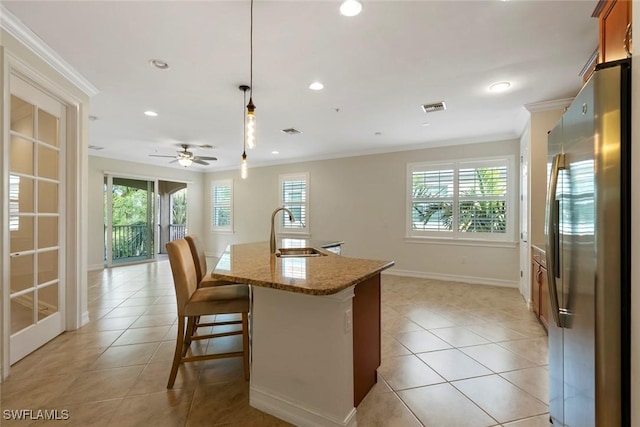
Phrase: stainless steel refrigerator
{"type": "Point", "coordinates": [588, 253]}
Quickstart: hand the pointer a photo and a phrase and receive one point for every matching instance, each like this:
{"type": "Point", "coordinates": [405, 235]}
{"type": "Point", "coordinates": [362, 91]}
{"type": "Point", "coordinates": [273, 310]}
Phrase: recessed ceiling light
{"type": "Point", "coordinates": [275, 152]}
{"type": "Point", "coordinates": [350, 7]}
{"type": "Point", "coordinates": [159, 64]}
{"type": "Point", "coordinates": [499, 87]}
{"type": "Point", "coordinates": [150, 113]}
{"type": "Point", "coordinates": [316, 86]}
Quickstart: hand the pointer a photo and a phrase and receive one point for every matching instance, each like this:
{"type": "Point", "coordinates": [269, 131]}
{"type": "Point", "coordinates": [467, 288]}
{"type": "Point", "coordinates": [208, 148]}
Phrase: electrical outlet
{"type": "Point", "coordinates": [348, 321]}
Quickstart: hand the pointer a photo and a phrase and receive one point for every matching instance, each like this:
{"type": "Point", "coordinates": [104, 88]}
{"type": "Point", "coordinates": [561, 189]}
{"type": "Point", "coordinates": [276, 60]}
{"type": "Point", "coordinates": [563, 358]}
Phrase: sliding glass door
{"type": "Point", "coordinates": [129, 220]}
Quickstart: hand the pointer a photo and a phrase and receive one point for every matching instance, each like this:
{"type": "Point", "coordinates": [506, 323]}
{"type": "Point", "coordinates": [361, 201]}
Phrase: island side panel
{"type": "Point", "coordinates": [366, 337]}
{"type": "Point", "coordinates": [302, 357]}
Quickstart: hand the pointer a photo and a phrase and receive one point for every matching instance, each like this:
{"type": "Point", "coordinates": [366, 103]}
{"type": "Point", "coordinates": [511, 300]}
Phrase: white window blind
{"type": "Point", "coordinates": [462, 199]}
{"type": "Point", "coordinates": [294, 195]}
{"type": "Point", "coordinates": [222, 205]}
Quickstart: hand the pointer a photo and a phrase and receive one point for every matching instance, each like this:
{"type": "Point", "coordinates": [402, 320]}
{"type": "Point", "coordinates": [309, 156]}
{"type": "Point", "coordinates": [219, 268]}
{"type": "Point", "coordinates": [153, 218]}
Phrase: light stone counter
{"type": "Point", "coordinates": [252, 263]}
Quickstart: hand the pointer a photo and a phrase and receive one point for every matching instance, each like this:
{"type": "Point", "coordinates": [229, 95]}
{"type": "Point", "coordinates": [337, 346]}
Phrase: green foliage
{"type": "Point", "coordinates": [129, 205]}
{"type": "Point", "coordinates": [179, 207]}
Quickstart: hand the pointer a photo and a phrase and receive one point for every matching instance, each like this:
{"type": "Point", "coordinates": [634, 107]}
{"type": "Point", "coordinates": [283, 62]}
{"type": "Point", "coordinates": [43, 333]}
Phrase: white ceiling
{"type": "Point", "coordinates": [377, 68]}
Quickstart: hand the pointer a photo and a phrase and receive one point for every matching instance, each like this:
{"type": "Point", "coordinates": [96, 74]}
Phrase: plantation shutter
{"type": "Point", "coordinates": [294, 198]}
{"type": "Point", "coordinates": [221, 202]}
{"type": "Point", "coordinates": [482, 197]}
{"type": "Point", "coordinates": [432, 199]}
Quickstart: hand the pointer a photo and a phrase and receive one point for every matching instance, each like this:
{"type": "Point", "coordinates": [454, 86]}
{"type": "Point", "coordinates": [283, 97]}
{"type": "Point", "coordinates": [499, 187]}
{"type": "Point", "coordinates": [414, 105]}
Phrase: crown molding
{"type": "Point", "coordinates": [12, 25]}
{"type": "Point", "coordinates": [556, 104]}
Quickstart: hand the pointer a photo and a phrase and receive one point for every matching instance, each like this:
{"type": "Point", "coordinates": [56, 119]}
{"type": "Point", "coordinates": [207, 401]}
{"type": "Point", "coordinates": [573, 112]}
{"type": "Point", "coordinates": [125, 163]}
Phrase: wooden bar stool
{"type": "Point", "coordinates": [200, 260]}
{"type": "Point", "coordinates": [194, 302]}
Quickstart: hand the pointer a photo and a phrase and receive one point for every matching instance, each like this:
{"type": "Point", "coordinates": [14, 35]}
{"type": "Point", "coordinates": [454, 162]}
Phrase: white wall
{"type": "Point", "coordinates": [97, 168]}
{"type": "Point", "coordinates": [361, 200]}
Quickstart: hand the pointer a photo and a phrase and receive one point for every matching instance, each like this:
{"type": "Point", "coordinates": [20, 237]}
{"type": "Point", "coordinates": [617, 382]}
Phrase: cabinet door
{"type": "Point", "coordinates": [614, 18]}
{"type": "Point", "coordinates": [544, 297]}
{"type": "Point", "coordinates": [535, 287]}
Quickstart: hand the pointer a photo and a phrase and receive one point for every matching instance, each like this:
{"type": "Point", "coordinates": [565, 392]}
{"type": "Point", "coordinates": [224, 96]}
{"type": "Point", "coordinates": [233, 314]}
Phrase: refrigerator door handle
{"type": "Point", "coordinates": [552, 241]}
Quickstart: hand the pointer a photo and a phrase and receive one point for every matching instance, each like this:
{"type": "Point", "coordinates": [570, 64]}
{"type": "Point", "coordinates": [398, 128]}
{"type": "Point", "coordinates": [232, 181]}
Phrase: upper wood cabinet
{"type": "Point", "coordinates": [615, 29]}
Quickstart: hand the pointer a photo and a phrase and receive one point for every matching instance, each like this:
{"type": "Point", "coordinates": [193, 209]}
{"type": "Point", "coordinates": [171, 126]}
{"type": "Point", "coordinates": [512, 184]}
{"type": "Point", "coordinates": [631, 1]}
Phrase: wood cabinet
{"type": "Point", "coordinates": [539, 285]}
{"type": "Point", "coordinates": [615, 29]}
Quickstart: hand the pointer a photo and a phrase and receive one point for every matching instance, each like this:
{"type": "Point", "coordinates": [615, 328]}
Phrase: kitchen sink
{"type": "Point", "coordinates": [298, 252]}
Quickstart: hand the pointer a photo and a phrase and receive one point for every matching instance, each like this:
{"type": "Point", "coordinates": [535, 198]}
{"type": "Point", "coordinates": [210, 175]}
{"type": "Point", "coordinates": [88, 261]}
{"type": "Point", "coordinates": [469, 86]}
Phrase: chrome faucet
{"type": "Point", "coordinates": [272, 241]}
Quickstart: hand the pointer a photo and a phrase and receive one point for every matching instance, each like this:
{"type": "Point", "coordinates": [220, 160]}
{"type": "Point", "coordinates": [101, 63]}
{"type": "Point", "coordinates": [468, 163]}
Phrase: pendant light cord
{"type": "Point", "coordinates": [251, 53]}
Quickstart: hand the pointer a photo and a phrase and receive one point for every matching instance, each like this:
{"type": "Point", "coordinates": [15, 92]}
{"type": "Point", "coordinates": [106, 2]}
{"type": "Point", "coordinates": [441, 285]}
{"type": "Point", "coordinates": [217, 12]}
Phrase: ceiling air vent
{"type": "Point", "coordinates": [95, 147]}
{"type": "Point", "coordinates": [432, 108]}
{"type": "Point", "coordinates": [291, 131]}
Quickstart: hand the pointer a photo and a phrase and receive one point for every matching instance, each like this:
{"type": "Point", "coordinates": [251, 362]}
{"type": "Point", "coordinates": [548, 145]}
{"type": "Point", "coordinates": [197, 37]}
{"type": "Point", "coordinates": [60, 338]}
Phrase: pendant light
{"type": "Point", "coordinates": [244, 172]}
{"type": "Point", "coordinates": [251, 116]}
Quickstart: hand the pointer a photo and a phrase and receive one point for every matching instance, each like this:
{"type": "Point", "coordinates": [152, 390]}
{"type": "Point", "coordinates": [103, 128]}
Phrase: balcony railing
{"type": "Point", "coordinates": [177, 231]}
{"type": "Point", "coordinates": [129, 241]}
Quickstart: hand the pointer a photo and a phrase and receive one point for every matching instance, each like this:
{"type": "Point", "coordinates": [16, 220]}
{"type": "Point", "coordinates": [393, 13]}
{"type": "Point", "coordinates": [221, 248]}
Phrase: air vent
{"type": "Point", "coordinates": [432, 108]}
{"type": "Point", "coordinates": [206, 146]}
{"type": "Point", "coordinates": [95, 147]}
{"type": "Point", "coordinates": [291, 131]}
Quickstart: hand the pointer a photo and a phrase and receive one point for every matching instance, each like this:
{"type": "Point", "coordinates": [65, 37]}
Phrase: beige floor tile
{"type": "Point", "coordinates": [384, 410]}
{"type": "Point", "coordinates": [125, 312]}
{"type": "Point", "coordinates": [147, 320]}
{"type": "Point", "coordinates": [142, 335]}
{"type": "Point", "coordinates": [155, 376]}
{"type": "Point", "coordinates": [74, 341]}
{"type": "Point", "coordinates": [222, 403]}
{"type": "Point", "coordinates": [99, 385]}
{"type": "Point", "coordinates": [497, 358]}
{"type": "Point", "coordinates": [459, 336]}
{"type": "Point", "coordinates": [48, 364]}
{"type": "Point", "coordinates": [539, 421]}
{"type": "Point", "coordinates": [164, 353]}
{"type": "Point", "coordinates": [429, 320]}
{"type": "Point", "coordinates": [453, 364]}
{"type": "Point", "coordinates": [162, 308]}
{"type": "Point", "coordinates": [93, 414]}
{"type": "Point", "coordinates": [135, 301]}
{"type": "Point", "coordinates": [534, 349]}
{"type": "Point", "coordinates": [33, 392]}
{"type": "Point", "coordinates": [534, 381]}
{"type": "Point", "coordinates": [391, 347]}
{"type": "Point", "coordinates": [402, 372]}
{"type": "Point", "coordinates": [531, 328]}
{"type": "Point", "coordinates": [399, 325]}
{"type": "Point", "coordinates": [496, 332]}
{"type": "Point", "coordinates": [421, 341]}
{"type": "Point", "coordinates": [125, 355]}
{"type": "Point", "coordinates": [109, 324]}
{"type": "Point", "coordinates": [500, 399]}
{"type": "Point", "coordinates": [427, 403]}
{"type": "Point", "coordinates": [163, 409]}
{"type": "Point", "coordinates": [222, 371]}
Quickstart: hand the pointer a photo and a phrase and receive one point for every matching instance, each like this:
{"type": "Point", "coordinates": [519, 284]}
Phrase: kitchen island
{"type": "Point", "coordinates": [315, 330]}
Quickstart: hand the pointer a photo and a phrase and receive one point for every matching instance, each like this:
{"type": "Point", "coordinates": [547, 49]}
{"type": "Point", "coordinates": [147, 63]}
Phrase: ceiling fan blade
{"type": "Point", "coordinates": [200, 162]}
{"type": "Point", "coordinates": [173, 161]}
{"type": "Point", "coordinates": [206, 158]}
{"type": "Point", "coordinates": [158, 155]}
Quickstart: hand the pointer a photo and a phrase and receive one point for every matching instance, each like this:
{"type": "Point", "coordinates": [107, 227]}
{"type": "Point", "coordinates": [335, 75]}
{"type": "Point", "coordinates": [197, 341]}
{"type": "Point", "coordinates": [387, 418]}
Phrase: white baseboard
{"type": "Point", "coordinates": [95, 267]}
{"type": "Point", "coordinates": [294, 413]}
{"type": "Point", "coordinates": [453, 278]}
{"type": "Point", "coordinates": [85, 318]}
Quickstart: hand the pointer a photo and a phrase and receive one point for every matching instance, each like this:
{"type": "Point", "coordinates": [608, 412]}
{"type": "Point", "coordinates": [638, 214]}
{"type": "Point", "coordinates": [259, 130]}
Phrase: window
{"type": "Point", "coordinates": [468, 199]}
{"type": "Point", "coordinates": [294, 195]}
{"type": "Point", "coordinates": [222, 205]}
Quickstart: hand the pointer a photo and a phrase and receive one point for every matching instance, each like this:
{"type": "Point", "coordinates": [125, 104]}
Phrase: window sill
{"type": "Point", "coordinates": [222, 231]}
{"type": "Point", "coordinates": [461, 242]}
{"type": "Point", "coordinates": [293, 234]}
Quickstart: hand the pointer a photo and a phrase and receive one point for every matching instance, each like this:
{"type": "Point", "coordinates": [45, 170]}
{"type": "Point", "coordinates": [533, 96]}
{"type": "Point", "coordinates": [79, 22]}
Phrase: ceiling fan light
{"type": "Point", "coordinates": [185, 161]}
{"type": "Point", "coordinates": [350, 8]}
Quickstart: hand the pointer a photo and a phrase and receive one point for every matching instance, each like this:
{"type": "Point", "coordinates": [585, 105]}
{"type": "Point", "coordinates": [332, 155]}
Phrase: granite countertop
{"type": "Point", "coordinates": [252, 263]}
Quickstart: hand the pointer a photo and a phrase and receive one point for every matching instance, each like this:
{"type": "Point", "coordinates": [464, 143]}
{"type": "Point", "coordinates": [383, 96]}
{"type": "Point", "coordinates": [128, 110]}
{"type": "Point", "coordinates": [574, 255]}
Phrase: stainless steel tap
{"type": "Point", "coordinates": [272, 241]}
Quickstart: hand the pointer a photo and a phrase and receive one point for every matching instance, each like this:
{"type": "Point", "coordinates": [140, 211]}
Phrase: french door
{"type": "Point", "coordinates": [36, 218]}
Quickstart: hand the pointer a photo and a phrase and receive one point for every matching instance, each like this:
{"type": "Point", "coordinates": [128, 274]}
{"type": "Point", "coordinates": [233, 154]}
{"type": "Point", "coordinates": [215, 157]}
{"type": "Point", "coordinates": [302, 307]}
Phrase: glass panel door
{"type": "Point", "coordinates": [36, 226]}
{"type": "Point", "coordinates": [129, 220]}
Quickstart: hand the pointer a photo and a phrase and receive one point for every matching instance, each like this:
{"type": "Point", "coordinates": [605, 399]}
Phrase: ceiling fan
{"type": "Point", "coordinates": [186, 157]}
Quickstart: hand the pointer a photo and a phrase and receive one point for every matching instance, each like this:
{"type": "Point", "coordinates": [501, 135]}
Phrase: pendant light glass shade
{"type": "Point", "coordinates": [251, 125]}
{"type": "Point", "coordinates": [244, 169]}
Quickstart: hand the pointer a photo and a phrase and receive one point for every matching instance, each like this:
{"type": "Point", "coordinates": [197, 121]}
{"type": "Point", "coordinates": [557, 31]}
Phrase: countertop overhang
{"type": "Point", "coordinates": [253, 264]}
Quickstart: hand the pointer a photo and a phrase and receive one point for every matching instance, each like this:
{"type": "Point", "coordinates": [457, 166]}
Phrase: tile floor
{"type": "Point", "coordinates": [453, 354]}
